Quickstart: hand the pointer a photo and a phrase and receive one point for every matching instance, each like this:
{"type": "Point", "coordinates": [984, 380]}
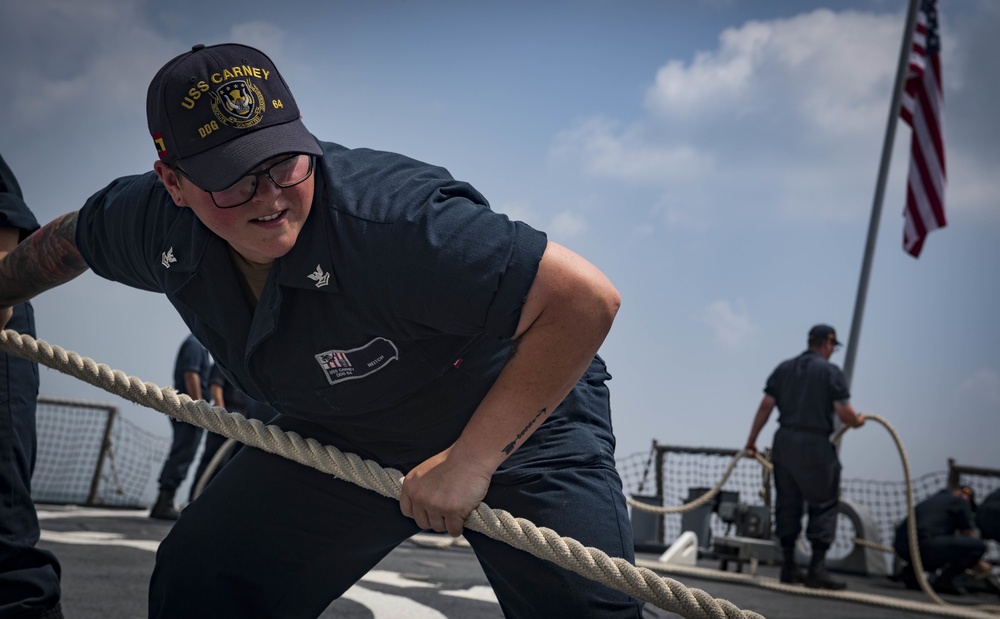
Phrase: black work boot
{"type": "Point", "coordinates": [790, 573]}
{"type": "Point", "coordinates": [909, 577]}
{"type": "Point", "coordinates": [945, 582]}
{"type": "Point", "coordinates": [164, 508]}
{"type": "Point", "coordinates": [818, 577]}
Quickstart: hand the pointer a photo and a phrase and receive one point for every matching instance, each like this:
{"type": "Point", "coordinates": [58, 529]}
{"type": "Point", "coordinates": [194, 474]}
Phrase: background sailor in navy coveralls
{"type": "Point", "coordinates": [388, 311]}
{"type": "Point", "coordinates": [225, 395]}
{"type": "Point", "coordinates": [946, 538]}
{"type": "Point", "coordinates": [807, 390]}
{"type": "Point", "coordinates": [988, 516]}
{"type": "Point", "coordinates": [192, 367]}
{"type": "Point", "coordinates": [29, 576]}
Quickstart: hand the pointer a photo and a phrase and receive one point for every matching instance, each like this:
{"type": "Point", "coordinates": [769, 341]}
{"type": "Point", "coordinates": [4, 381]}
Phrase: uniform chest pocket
{"type": "Point", "coordinates": [374, 376]}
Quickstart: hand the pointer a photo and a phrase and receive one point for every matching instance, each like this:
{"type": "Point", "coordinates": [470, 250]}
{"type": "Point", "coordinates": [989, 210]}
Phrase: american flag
{"type": "Point", "coordinates": [337, 360]}
{"type": "Point", "coordinates": [921, 108]}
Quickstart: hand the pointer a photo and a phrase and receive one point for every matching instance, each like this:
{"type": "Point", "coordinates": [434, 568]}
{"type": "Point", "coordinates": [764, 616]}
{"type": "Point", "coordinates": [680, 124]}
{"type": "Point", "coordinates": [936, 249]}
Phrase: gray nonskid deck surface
{"type": "Point", "coordinates": [107, 557]}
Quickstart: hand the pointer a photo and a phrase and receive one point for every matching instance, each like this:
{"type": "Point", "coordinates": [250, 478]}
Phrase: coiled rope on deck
{"type": "Point", "coordinates": [592, 563]}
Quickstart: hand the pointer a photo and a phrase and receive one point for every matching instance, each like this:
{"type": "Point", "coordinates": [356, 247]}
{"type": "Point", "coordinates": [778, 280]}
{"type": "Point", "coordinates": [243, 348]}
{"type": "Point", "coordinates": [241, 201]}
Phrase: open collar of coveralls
{"type": "Point", "coordinates": [205, 281]}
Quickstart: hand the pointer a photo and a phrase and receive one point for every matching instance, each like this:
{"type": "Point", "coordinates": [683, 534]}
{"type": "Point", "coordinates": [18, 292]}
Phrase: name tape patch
{"type": "Point", "coordinates": [341, 365]}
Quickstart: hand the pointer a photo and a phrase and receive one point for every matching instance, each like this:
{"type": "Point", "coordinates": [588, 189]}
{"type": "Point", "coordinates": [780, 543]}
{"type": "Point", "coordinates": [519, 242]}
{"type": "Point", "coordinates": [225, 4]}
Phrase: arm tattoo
{"type": "Point", "coordinates": [509, 448]}
{"type": "Point", "coordinates": [44, 260]}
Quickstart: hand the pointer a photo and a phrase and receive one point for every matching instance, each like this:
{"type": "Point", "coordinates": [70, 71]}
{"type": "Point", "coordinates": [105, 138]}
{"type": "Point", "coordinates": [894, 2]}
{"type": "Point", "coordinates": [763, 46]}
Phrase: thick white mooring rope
{"type": "Point", "coordinates": [704, 498]}
{"type": "Point", "coordinates": [592, 563]}
{"type": "Point", "coordinates": [639, 582]}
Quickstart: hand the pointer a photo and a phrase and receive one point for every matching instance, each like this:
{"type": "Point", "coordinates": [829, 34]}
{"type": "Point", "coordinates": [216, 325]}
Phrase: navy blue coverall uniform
{"type": "Point", "coordinates": [988, 516]}
{"type": "Point", "coordinates": [29, 576]}
{"type": "Point", "coordinates": [806, 467]}
{"type": "Point", "coordinates": [939, 517]}
{"type": "Point", "coordinates": [191, 357]}
{"type": "Point", "coordinates": [379, 332]}
{"type": "Point", "coordinates": [235, 402]}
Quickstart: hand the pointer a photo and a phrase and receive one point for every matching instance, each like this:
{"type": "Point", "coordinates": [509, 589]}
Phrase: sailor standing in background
{"type": "Point", "coordinates": [808, 390]}
{"type": "Point", "coordinates": [191, 370]}
{"type": "Point", "coordinates": [29, 576]}
{"type": "Point", "coordinates": [224, 395]}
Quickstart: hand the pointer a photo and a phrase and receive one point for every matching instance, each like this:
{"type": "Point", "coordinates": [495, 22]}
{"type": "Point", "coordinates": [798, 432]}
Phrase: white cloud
{"type": "Point", "coordinates": [77, 60]}
{"type": "Point", "coordinates": [711, 79]}
{"type": "Point", "coordinates": [785, 115]}
{"type": "Point", "coordinates": [623, 155]}
{"type": "Point", "coordinates": [833, 71]}
{"type": "Point", "coordinates": [731, 327]}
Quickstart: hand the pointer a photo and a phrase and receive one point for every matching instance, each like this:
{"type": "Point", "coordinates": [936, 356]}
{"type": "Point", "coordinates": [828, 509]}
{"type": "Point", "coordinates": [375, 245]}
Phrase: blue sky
{"type": "Point", "coordinates": [716, 159]}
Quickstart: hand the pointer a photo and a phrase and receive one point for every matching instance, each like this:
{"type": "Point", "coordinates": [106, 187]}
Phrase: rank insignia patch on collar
{"type": "Point", "coordinates": [167, 258]}
{"type": "Point", "coordinates": [318, 276]}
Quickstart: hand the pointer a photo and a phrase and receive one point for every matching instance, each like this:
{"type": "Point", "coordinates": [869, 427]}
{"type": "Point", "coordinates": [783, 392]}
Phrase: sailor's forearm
{"type": "Point", "coordinates": [44, 260]}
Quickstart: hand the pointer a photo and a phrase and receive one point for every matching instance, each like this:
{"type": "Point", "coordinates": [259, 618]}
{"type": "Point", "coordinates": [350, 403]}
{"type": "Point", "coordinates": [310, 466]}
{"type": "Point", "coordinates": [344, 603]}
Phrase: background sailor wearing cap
{"type": "Point", "coordinates": [379, 305]}
{"type": "Point", "coordinates": [807, 390]}
{"type": "Point", "coordinates": [947, 539]}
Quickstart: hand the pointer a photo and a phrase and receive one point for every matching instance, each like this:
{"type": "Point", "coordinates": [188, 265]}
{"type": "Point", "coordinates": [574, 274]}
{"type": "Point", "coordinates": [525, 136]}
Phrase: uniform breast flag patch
{"type": "Point", "coordinates": [341, 365]}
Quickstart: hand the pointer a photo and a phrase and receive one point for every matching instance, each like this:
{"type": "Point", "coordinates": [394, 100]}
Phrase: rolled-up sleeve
{"type": "Point", "coordinates": [116, 227]}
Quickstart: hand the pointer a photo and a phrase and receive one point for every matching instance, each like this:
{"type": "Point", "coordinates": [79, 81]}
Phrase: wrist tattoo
{"type": "Point", "coordinates": [509, 448]}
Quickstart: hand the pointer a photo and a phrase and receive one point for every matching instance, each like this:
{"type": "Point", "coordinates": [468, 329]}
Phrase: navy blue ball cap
{"type": "Point", "coordinates": [217, 112]}
{"type": "Point", "coordinates": [823, 333]}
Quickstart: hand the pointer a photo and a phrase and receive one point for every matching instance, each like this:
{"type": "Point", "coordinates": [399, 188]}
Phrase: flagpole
{"type": "Point", "coordinates": [890, 136]}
